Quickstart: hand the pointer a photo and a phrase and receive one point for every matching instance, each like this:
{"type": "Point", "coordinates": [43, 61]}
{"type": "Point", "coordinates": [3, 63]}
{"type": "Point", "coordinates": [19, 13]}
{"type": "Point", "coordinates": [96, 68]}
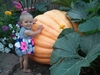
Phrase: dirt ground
{"type": "Point", "coordinates": [35, 67]}
{"type": "Point", "coordinates": [9, 65]}
{"type": "Point", "coordinates": [39, 68]}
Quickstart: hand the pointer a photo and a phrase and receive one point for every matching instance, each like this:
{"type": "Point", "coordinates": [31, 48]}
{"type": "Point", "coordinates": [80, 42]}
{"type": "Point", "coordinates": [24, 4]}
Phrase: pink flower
{"type": "Point", "coordinates": [19, 24]}
{"type": "Point", "coordinates": [23, 12]}
{"type": "Point", "coordinates": [32, 41]}
{"type": "Point", "coordinates": [23, 46]}
{"type": "Point", "coordinates": [17, 5]}
{"type": "Point", "coordinates": [12, 35]}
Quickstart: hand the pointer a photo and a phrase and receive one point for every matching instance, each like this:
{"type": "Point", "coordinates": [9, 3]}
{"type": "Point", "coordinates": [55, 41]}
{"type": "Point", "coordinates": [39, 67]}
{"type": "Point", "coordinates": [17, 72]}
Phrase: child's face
{"type": "Point", "coordinates": [27, 22]}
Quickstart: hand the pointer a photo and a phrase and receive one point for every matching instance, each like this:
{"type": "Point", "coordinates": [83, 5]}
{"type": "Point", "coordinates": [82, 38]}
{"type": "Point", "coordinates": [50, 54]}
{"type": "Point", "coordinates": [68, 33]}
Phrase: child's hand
{"type": "Point", "coordinates": [34, 21]}
{"type": "Point", "coordinates": [40, 27]}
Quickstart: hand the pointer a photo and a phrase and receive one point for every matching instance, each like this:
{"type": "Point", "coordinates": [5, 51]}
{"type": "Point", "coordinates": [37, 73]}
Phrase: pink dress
{"type": "Point", "coordinates": [24, 44]}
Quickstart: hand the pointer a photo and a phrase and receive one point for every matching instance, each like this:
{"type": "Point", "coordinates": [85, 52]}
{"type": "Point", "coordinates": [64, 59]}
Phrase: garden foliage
{"type": "Point", "coordinates": [9, 23]}
{"type": "Point", "coordinates": [73, 51]}
{"type": "Point", "coordinates": [66, 57]}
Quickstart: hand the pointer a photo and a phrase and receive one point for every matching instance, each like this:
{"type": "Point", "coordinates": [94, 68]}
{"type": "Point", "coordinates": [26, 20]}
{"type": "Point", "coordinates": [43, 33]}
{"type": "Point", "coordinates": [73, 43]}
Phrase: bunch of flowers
{"type": "Point", "coordinates": [9, 28]}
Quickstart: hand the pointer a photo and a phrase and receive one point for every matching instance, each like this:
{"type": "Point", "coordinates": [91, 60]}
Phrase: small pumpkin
{"type": "Point", "coordinates": [52, 21]}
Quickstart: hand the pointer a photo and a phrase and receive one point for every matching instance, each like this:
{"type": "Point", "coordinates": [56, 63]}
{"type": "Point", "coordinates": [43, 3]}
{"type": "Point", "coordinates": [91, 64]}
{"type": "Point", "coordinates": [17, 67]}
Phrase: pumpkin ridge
{"type": "Point", "coordinates": [56, 18]}
{"type": "Point", "coordinates": [45, 40]}
{"type": "Point", "coordinates": [41, 50]}
{"type": "Point", "coordinates": [55, 34]}
{"type": "Point", "coordinates": [45, 33]}
{"type": "Point", "coordinates": [53, 16]}
{"type": "Point", "coordinates": [49, 22]}
{"type": "Point", "coordinates": [41, 60]}
{"type": "Point", "coordinates": [64, 17]}
{"type": "Point", "coordinates": [45, 44]}
{"type": "Point", "coordinates": [46, 56]}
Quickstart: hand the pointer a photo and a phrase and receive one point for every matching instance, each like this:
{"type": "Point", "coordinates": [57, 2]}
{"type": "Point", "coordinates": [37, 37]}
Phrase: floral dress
{"type": "Point", "coordinates": [24, 44]}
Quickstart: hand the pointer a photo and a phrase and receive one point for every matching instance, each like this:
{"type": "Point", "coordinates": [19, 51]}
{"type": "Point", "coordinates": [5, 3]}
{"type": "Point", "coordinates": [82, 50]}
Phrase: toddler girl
{"type": "Point", "coordinates": [25, 44]}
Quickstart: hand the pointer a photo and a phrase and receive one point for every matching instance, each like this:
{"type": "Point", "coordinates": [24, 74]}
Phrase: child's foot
{"type": "Point", "coordinates": [27, 70]}
{"type": "Point", "coordinates": [21, 67]}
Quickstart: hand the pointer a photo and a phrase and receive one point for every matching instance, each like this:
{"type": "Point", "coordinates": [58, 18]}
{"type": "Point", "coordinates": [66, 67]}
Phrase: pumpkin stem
{"type": "Point", "coordinates": [62, 26]}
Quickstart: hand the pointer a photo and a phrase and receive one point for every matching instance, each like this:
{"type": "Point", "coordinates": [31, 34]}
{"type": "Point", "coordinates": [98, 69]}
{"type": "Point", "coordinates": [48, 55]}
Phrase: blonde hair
{"type": "Point", "coordinates": [23, 15]}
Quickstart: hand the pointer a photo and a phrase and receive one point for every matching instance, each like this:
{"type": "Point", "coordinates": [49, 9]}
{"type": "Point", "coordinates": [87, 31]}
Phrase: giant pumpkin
{"type": "Point", "coordinates": [52, 21]}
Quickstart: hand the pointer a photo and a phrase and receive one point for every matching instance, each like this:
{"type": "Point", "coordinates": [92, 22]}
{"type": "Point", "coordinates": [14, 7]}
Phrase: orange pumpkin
{"type": "Point", "coordinates": [52, 21]}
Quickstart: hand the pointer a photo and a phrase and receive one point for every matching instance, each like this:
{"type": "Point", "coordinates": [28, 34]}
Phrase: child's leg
{"type": "Point", "coordinates": [21, 61]}
{"type": "Point", "coordinates": [25, 63]}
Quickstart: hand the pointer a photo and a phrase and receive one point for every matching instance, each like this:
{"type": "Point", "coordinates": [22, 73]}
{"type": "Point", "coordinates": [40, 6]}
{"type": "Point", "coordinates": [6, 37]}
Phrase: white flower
{"type": "Point", "coordinates": [4, 39]}
{"type": "Point", "coordinates": [14, 38]}
{"type": "Point", "coordinates": [10, 25]}
{"type": "Point", "coordinates": [17, 25]}
{"type": "Point", "coordinates": [4, 42]}
{"type": "Point", "coordinates": [10, 45]}
{"type": "Point", "coordinates": [7, 50]}
{"type": "Point", "coordinates": [2, 50]}
{"type": "Point", "coordinates": [17, 34]}
{"type": "Point", "coordinates": [17, 44]}
{"type": "Point", "coordinates": [1, 45]}
{"type": "Point", "coordinates": [13, 31]}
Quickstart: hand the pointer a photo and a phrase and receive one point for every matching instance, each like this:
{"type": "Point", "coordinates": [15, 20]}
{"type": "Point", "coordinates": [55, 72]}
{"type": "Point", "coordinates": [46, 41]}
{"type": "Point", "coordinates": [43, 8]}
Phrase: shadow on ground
{"type": "Point", "coordinates": [34, 66]}
{"type": "Point", "coordinates": [9, 65]}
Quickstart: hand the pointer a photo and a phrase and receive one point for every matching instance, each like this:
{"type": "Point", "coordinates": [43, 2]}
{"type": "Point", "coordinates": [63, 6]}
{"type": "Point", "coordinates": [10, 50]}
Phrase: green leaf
{"type": "Point", "coordinates": [66, 60]}
{"type": "Point", "coordinates": [90, 25]}
{"type": "Point", "coordinates": [88, 41]}
{"type": "Point", "coordinates": [78, 11]}
{"type": "Point", "coordinates": [82, 11]}
{"type": "Point", "coordinates": [41, 6]}
{"type": "Point", "coordinates": [66, 46]}
{"type": "Point", "coordinates": [63, 8]}
{"type": "Point", "coordinates": [70, 66]}
{"type": "Point", "coordinates": [78, 14]}
{"type": "Point", "coordinates": [66, 3]}
{"type": "Point", "coordinates": [86, 0]}
{"type": "Point", "coordinates": [93, 8]}
{"type": "Point", "coordinates": [65, 31]}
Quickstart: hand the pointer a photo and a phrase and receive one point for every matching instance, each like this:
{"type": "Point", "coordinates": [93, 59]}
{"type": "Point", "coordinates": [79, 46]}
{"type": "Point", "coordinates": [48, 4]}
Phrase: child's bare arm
{"type": "Point", "coordinates": [34, 21]}
{"type": "Point", "coordinates": [34, 33]}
